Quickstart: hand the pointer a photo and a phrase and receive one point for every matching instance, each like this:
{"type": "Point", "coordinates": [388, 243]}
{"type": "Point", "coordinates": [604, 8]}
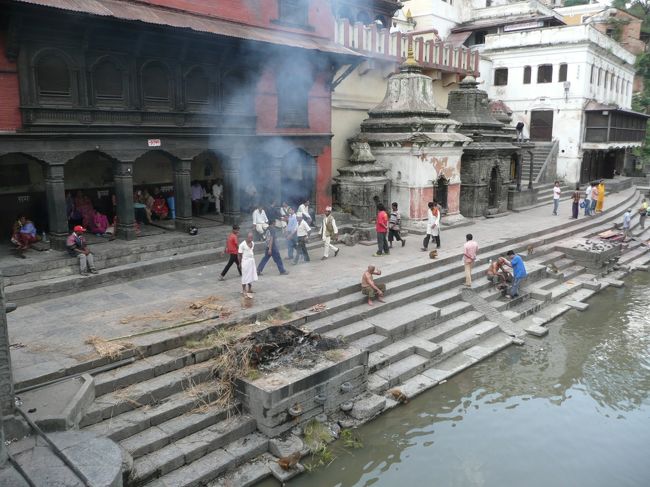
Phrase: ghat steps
{"type": "Point", "coordinates": [160, 407]}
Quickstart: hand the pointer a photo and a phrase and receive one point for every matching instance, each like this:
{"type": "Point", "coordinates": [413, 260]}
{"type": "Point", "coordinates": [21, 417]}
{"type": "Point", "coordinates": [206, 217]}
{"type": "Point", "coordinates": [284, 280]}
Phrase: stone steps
{"type": "Point", "coordinates": [148, 368]}
{"type": "Point", "coordinates": [149, 392]}
{"type": "Point", "coordinates": [137, 420]}
{"type": "Point", "coordinates": [184, 451]}
{"type": "Point", "coordinates": [215, 463]}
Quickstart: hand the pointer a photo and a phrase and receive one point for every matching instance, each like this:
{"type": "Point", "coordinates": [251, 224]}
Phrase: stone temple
{"type": "Point", "coordinates": [489, 161]}
{"type": "Point", "coordinates": [418, 143]}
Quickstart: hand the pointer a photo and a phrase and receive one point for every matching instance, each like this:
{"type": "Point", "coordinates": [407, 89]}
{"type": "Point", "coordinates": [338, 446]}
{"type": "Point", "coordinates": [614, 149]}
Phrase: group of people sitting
{"type": "Point", "coordinates": [23, 235]}
{"type": "Point", "coordinates": [80, 211]}
{"type": "Point", "coordinates": [150, 207]}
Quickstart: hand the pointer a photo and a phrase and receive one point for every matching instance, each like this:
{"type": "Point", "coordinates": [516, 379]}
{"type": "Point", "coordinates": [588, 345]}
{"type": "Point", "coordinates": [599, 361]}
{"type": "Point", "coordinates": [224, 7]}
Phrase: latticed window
{"type": "Point", "coordinates": [293, 100]}
{"type": "Point", "coordinates": [527, 71]}
{"type": "Point", "coordinates": [53, 77]}
{"type": "Point", "coordinates": [155, 83]}
{"type": "Point", "coordinates": [107, 81]}
{"type": "Point", "coordinates": [563, 73]}
{"type": "Point", "coordinates": [197, 87]}
{"type": "Point", "coordinates": [293, 11]}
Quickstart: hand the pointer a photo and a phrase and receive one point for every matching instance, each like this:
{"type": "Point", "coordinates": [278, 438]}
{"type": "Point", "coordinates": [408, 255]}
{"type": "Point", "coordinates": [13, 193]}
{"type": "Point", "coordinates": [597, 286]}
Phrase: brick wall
{"type": "Point", "coordinates": [10, 119]}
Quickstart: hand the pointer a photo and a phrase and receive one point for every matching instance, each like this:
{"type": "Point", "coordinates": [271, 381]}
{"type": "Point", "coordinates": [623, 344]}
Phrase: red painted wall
{"type": "Point", "coordinates": [320, 102]}
{"type": "Point", "coordinates": [10, 119]}
{"type": "Point", "coordinates": [324, 179]}
{"type": "Point", "coordinates": [256, 12]}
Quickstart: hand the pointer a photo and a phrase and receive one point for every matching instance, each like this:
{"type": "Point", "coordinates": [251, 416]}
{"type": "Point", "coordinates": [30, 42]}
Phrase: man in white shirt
{"type": "Point", "coordinates": [588, 200]}
{"type": "Point", "coordinates": [627, 219]}
{"type": "Point", "coordinates": [328, 232]}
{"type": "Point", "coordinates": [556, 197]}
{"type": "Point", "coordinates": [260, 221]}
{"type": "Point", "coordinates": [302, 233]}
{"type": "Point", "coordinates": [217, 192]}
{"type": "Point", "coordinates": [303, 209]}
{"type": "Point", "coordinates": [198, 195]}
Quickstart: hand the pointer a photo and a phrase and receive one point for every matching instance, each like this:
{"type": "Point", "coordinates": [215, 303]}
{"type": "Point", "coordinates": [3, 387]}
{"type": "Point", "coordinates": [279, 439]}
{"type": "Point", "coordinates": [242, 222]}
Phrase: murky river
{"type": "Point", "coordinates": [571, 409]}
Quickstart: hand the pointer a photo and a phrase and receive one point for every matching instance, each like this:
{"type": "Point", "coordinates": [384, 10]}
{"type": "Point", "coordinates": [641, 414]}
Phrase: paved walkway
{"type": "Point", "coordinates": [50, 335]}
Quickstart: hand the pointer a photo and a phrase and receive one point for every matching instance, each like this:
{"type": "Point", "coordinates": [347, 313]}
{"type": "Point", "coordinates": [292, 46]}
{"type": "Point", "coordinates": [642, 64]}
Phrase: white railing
{"type": "Point", "coordinates": [429, 53]}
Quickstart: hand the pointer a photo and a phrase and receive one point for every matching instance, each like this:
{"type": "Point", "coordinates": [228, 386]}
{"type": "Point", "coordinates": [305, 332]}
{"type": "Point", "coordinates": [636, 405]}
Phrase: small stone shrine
{"type": "Point", "coordinates": [362, 183]}
{"type": "Point", "coordinates": [488, 162]}
{"type": "Point", "coordinates": [418, 143]}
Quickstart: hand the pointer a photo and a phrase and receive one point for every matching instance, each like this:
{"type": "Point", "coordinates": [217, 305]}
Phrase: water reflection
{"type": "Point", "coordinates": [572, 409]}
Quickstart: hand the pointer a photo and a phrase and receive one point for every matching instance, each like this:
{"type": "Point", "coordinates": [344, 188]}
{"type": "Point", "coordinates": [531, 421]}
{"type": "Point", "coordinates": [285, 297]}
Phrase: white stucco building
{"type": "Point", "coordinates": [572, 84]}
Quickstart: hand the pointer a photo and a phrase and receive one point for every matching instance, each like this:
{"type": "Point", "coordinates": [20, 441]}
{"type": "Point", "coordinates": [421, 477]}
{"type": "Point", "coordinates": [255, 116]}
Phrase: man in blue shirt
{"type": "Point", "coordinates": [518, 272]}
{"type": "Point", "coordinates": [292, 228]}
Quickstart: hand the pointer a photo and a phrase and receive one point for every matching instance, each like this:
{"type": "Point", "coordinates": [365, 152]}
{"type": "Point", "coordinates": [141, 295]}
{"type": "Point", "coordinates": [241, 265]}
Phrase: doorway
{"type": "Point", "coordinates": [441, 192]}
{"type": "Point", "coordinates": [493, 189]}
{"type": "Point", "coordinates": [541, 125]}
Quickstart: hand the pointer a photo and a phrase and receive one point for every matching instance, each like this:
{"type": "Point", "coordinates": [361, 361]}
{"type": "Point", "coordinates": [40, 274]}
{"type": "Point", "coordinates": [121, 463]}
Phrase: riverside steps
{"type": "Point", "coordinates": [160, 403]}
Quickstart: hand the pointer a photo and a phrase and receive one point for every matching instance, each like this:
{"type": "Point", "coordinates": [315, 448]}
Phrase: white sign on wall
{"type": "Point", "coordinates": [154, 143]}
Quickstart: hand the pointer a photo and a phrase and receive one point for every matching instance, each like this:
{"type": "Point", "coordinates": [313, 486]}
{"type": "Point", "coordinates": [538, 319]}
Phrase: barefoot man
{"type": "Point", "coordinates": [368, 286]}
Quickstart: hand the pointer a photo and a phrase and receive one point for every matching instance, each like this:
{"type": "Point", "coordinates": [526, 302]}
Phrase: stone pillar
{"type": "Point", "coordinates": [530, 175]}
{"type": "Point", "coordinates": [231, 187]}
{"type": "Point", "coordinates": [6, 378]}
{"type": "Point", "coordinates": [56, 211]}
{"type": "Point", "coordinates": [3, 448]}
{"type": "Point", "coordinates": [123, 179]}
{"type": "Point", "coordinates": [274, 180]}
{"type": "Point", "coordinates": [518, 168]}
{"type": "Point", "coordinates": [183, 193]}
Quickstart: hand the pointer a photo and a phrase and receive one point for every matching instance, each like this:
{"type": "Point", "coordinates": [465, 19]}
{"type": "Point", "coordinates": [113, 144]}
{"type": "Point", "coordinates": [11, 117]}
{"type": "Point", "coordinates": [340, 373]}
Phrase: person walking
{"type": "Point", "coordinates": [594, 198]}
{"type": "Point", "coordinates": [575, 207]}
{"type": "Point", "coordinates": [328, 232]}
{"type": "Point", "coordinates": [302, 234]}
{"type": "Point", "coordinates": [643, 212]}
{"type": "Point", "coordinates": [627, 220]}
{"type": "Point", "coordinates": [588, 200]}
{"type": "Point", "coordinates": [433, 226]}
{"type": "Point", "coordinates": [232, 249]}
{"type": "Point", "coordinates": [470, 249]}
{"type": "Point", "coordinates": [601, 196]}
{"type": "Point", "coordinates": [394, 226]}
{"type": "Point", "coordinates": [77, 247]}
{"type": "Point", "coordinates": [292, 228]}
{"type": "Point", "coordinates": [272, 250]}
{"type": "Point", "coordinates": [247, 264]}
{"type": "Point", "coordinates": [381, 227]}
{"type": "Point", "coordinates": [518, 272]}
{"type": "Point", "coordinates": [556, 197]}
{"type": "Point", "coordinates": [217, 193]}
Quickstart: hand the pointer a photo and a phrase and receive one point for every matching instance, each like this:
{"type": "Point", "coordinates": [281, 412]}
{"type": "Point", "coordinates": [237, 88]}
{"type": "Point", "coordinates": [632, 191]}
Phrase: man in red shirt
{"type": "Point", "coordinates": [232, 249]}
{"type": "Point", "coordinates": [382, 229]}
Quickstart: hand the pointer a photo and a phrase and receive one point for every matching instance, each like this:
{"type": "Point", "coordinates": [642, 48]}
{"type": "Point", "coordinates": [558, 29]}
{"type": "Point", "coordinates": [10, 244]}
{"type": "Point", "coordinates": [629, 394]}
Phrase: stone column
{"type": "Point", "coordinates": [530, 175]}
{"type": "Point", "coordinates": [56, 211]}
{"type": "Point", "coordinates": [3, 448]}
{"type": "Point", "coordinates": [518, 168]}
{"type": "Point", "coordinates": [123, 179]}
{"type": "Point", "coordinates": [231, 187]}
{"type": "Point", "coordinates": [183, 193]}
{"type": "Point", "coordinates": [6, 378]}
{"type": "Point", "coordinates": [274, 180]}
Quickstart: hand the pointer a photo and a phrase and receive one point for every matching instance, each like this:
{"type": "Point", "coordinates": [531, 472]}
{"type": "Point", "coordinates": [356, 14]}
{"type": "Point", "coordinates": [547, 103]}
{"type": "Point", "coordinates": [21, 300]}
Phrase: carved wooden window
{"type": "Point", "coordinates": [545, 73]}
{"type": "Point", "coordinates": [563, 72]}
{"type": "Point", "coordinates": [156, 84]}
{"type": "Point", "coordinates": [293, 11]}
{"type": "Point", "coordinates": [197, 87]}
{"type": "Point", "coordinates": [293, 99]}
{"type": "Point", "coordinates": [236, 94]}
{"type": "Point", "coordinates": [108, 82]}
{"type": "Point", "coordinates": [527, 71]}
{"type": "Point", "coordinates": [501, 77]}
{"type": "Point", "coordinates": [53, 77]}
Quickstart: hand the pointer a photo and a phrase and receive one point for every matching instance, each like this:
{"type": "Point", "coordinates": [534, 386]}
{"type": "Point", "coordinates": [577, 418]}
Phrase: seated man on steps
{"type": "Point", "coordinates": [368, 286]}
{"type": "Point", "coordinates": [77, 247]}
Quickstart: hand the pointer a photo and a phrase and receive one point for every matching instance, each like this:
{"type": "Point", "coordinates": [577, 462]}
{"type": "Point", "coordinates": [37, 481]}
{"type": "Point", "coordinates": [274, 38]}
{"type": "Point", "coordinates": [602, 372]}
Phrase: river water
{"type": "Point", "coordinates": [571, 409]}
